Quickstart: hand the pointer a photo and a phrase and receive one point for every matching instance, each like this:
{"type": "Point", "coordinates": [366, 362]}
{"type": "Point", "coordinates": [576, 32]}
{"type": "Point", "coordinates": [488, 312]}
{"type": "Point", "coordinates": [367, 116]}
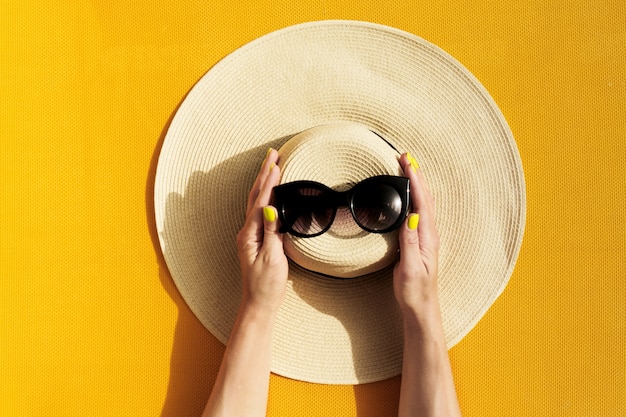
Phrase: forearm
{"type": "Point", "coordinates": [242, 384]}
{"type": "Point", "coordinates": [427, 384]}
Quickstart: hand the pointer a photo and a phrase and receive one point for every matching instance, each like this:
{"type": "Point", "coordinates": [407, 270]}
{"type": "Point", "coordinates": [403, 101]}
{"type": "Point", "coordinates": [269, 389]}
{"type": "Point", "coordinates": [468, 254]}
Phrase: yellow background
{"type": "Point", "coordinates": [90, 322]}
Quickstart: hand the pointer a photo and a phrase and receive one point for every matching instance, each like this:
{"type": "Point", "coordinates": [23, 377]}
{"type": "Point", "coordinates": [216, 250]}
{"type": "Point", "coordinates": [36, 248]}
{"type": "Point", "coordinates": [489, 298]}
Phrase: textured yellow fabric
{"type": "Point", "coordinates": [90, 322]}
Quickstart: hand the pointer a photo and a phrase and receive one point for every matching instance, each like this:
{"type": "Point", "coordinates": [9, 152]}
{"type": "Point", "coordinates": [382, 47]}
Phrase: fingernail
{"type": "Point", "coordinates": [413, 221]}
{"type": "Point", "coordinates": [267, 155]}
{"type": "Point", "coordinates": [412, 161]}
{"type": "Point", "coordinates": [269, 214]}
{"type": "Point", "coordinates": [272, 165]}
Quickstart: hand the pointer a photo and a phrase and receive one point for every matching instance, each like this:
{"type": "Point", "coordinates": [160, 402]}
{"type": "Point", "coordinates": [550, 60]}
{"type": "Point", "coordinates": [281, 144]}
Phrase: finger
{"type": "Point", "coordinates": [250, 237]}
{"type": "Point", "coordinates": [271, 180]}
{"type": "Point", "coordinates": [422, 201]}
{"type": "Point", "coordinates": [253, 228]}
{"type": "Point", "coordinates": [417, 186]}
{"type": "Point", "coordinates": [270, 158]}
{"type": "Point", "coordinates": [260, 178]}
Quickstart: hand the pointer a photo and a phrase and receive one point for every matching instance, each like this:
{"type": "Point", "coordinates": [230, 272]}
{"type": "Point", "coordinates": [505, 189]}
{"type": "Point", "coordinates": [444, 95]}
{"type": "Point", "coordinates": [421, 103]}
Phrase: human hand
{"type": "Point", "coordinates": [263, 262]}
{"type": "Point", "coordinates": [415, 274]}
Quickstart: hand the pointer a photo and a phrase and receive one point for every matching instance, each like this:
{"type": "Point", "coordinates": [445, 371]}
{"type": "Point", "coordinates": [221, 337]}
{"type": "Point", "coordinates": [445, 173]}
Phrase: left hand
{"type": "Point", "coordinates": [415, 274]}
{"type": "Point", "coordinates": [263, 262]}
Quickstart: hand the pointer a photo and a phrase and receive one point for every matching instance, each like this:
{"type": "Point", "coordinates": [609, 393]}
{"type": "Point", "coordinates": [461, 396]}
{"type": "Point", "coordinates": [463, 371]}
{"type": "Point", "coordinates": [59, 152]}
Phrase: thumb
{"type": "Point", "coordinates": [272, 238]}
{"type": "Point", "coordinates": [409, 238]}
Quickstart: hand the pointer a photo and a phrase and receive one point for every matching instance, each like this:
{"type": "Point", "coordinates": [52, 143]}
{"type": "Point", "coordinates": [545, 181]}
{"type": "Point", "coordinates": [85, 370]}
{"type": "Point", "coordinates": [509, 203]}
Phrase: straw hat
{"type": "Point", "coordinates": [340, 100]}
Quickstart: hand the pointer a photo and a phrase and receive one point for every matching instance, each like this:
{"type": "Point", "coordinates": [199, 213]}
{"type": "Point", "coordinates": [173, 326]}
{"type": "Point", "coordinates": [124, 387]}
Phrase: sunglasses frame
{"type": "Point", "coordinates": [290, 191]}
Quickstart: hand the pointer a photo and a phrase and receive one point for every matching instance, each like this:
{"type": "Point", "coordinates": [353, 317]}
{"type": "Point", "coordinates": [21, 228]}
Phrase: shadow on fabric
{"type": "Point", "coordinates": [196, 353]}
{"type": "Point", "coordinates": [378, 399]}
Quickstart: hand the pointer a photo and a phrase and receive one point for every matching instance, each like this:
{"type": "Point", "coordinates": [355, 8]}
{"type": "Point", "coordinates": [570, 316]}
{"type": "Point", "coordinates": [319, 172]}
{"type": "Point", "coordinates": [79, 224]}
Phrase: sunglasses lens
{"type": "Point", "coordinates": [310, 213]}
{"type": "Point", "coordinates": [377, 207]}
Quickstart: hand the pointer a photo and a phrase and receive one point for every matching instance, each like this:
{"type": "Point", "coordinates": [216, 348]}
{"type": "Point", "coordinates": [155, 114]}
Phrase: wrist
{"type": "Point", "coordinates": [423, 316]}
{"type": "Point", "coordinates": [257, 313]}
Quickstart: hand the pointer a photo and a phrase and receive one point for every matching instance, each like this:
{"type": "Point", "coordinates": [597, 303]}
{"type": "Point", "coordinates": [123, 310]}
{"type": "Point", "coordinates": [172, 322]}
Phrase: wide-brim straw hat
{"type": "Point", "coordinates": [341, 100]}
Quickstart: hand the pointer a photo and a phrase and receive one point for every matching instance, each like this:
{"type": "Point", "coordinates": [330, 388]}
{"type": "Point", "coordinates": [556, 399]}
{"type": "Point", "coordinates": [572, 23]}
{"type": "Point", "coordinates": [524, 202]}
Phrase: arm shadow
{"type": "Point", "coordinates": [196, 353]}
{"type": "Point", "coordinates": [378, 399]}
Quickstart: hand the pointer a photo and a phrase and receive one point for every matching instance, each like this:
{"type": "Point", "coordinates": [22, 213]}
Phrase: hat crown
{"type": "Point", "coordinates": [340, 155]}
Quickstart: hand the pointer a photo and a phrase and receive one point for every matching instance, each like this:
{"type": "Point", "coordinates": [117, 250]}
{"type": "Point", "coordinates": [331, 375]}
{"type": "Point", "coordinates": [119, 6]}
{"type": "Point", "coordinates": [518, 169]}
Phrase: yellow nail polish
{"type": "Point", "coordinates": [414, 163]}
{"type": "Point", "coordinates": [272, 165]}
{"type": "Point", "coordinates": [413, 221]}
{"type": "Point", "coordinates": [269, 214]}
{"type": "Point", "coordinates": [267, 155]}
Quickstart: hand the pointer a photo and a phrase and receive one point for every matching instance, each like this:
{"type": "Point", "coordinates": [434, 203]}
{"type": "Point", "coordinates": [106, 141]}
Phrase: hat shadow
{"type": "Point", "coordinates": [196, 353]}
{"type": "Point", "coordinates": [372, 399]}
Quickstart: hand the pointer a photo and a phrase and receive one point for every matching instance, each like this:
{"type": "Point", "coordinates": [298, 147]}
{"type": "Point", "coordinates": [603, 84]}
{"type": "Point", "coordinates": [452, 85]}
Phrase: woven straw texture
{"type": "Point", "coordinates": [401, 87]}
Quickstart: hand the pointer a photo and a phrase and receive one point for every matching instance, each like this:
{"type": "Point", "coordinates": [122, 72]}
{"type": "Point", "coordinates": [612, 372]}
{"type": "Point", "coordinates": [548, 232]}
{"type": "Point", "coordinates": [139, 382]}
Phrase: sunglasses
{"type": "Point", "coordinates": [307, 208]}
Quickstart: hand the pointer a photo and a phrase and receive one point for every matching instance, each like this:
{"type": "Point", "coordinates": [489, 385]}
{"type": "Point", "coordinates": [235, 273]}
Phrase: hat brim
{"type": "Point", "coordinates": [404, 88]}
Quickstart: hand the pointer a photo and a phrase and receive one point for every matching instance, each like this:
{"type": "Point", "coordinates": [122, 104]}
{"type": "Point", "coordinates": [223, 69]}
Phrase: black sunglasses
{"type": "Point", "coordinates": [307, 208]}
